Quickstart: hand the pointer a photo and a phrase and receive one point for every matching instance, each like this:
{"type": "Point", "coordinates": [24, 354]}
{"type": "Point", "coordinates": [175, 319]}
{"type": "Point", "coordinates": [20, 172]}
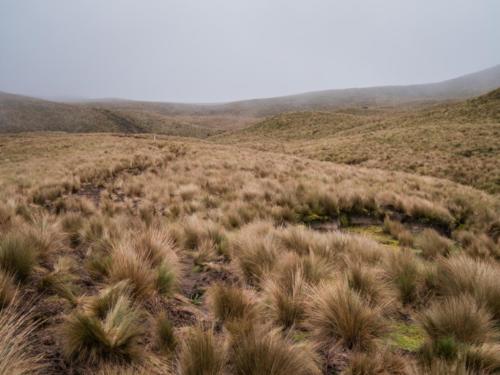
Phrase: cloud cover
{"type": "Point", "coordinates": [220, 50]}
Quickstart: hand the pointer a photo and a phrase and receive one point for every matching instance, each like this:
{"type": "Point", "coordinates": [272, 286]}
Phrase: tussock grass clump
{"type": "Point", "coordinates": [368, 282]}
{"type": "Point", "coordinates": [100, 305]}
{"type": "Point", "coordinates": [337, 315]}
{"type": "Point", "coordinates": [201, 354]}
{"type": "Point", "coordinates": [263, 351]}
{"type": "Point", "coordinates": [230, 303]}
{"type": "Point", "coordinates": [478, 245]}
{"type": "Point", "coordinates": [7, 214]}
{"type": "Point", "coordinates": [442, 367]}
{"type": "Point", "coordinates": [285, 300]}
{"type": "Point", "coordinates": [61, 280]}
{"type": "Point", "coordinates": [376, 363]}
{"type": "Point", "coordinates": [18, 255]}
{"type": "Point", "coordinates": [8, 289]}
{"type": "Point", "coordinates": [462, 274]}
{"type": "Point", "coordinates": [255, 255]}
{"type": "Point", "coordinates": [300, 239]}
{"type": "Point", "coordinates": [315, 268]}
{"type": "Point", "coordinates": [156, 248]}
{"type": "Point", "coordinates": [165, 338]}
{"type": "Point", "coordinates": [99, 234]}
{"type": "Point", "coordinates": [17, 356]}
{"type": "Point", "coordinates": [71, 224]}
{"type": "Point", "coordinates": [127, 265]}
{"type": "Point", "coordinates": [45, 235]}
{"type": "Point", "coordinates": [433, 244]}
{"type": "Point", "coordinates": [149, 369]}
{"type": "Point", "coordinates": [46, 194]}
{"type": "Point", "coordinates": [483, 359]}
{"type": "Point", "coordinates": [398, 231]}
{"type": "Point", "coordinates": [404, 271]}
{"type": "Point", "coordinates": [196, 231]}
{"type": "Point", "coordinates": [89, 338]}
{"type": "Point", "coordinates": [205, 254]}
{"type": "Point", "coordinates": [460, 318]}
{"type": "Point", "coordinates": [318, 203]}
{"type": "Point", "coordinates": [429, 212]}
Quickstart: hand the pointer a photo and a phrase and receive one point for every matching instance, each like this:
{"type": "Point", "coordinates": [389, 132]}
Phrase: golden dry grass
{"type": "Point", "coordinates": [187, 257]}
{"type": "Point", "coordinates": [458, 141]}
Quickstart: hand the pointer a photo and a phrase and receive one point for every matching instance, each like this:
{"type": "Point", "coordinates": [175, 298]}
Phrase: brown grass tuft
{"type": "Point", "coordinates": [433, 244]}
{"type": "Point", "coordinates": [264, 351]}
{"type": "Point", "coordinates": [201, 354]}
{"type": "Point", "coordinates": [337, 315]}
{"type": "Point", "coordinates": [285, 300]}
{"type": "Point", "coordinates": [17, 356]}
{"type": "Point", "coordinates": [230, 303]}
{"type": "Point", "coordinates": [459, 318]}
{"type": "Point", "coordinates": [92, 339]}
{"type": "Point", "coordinates": [18, 255]}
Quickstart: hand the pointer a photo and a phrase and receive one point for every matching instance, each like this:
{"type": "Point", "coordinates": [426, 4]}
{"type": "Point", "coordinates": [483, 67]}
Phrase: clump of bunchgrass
{"type": "Point", "coordinates": [255, 256]}
{"type": "Point", "coordinates": [201, 354]}
{"type": "Point", "coordinates": [337, 315]}
{"type": "Point", "coordinates": [432, 244]}
{"type": "Point", "coordinates": [113, 336]}
{"type": "Point", "coordinates": [18, 255]}
{"type": "Point", "coordinates": [165, 338]}
{"type": "Point", "coordinates": [284, 300]}
{"type": "Point", "coordinates": [460, 318]}
{"type": "Point", "coordinates": [462, 274]}
{"type": "Point", "coordinates": [61, 280]}
{"type": "Point", "coordinates": [127, 265]}
{"type": "Point", "coordinates": [8, 289]}
{"type": "Point", "coordinates": [17, 344]}
{"type": "Point", "coordinates": [369, 283]}
{"type": "Point", "coordinates": [230, 303]}
{"type": "Point", "coordinates": [370, 363]}
{"type": "Point", "coordinates": [261, 350]}
{"type": "Point", "coordinates": [483, 359]}
{"type": "Point", "coordinates": [404, 272]}
{"type": "Point", "coordinates": [398, 231]}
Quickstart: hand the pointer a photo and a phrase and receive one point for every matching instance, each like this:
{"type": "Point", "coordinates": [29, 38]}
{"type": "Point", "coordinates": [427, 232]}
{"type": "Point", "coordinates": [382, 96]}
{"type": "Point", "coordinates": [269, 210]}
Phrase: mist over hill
{"type": "Point", "coordinates": [21, 113]}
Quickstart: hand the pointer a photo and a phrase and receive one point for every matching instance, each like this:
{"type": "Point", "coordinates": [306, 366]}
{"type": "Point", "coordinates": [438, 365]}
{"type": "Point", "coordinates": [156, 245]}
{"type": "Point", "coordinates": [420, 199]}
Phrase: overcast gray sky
{"type": "Point", "coordinates": [218, 50]}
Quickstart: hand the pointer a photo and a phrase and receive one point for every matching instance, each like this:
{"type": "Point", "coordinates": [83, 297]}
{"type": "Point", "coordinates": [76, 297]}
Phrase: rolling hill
{"type": "Point", "coordinates": [25, 114]}
{"type": "Point", "coordinates": [458, 141]}
{"type": "Point", "coordinates": [20, 113]}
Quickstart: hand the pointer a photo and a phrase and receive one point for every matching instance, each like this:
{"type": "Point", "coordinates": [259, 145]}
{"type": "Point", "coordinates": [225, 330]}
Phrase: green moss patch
{"type": "Point", "coordinates": [407, 336]}
{"type": "Point", "coordinates": [376, 232]}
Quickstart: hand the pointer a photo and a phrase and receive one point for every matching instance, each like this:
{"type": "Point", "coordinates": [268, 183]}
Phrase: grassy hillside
{"type": "Point", "coordinates": [124, 255]}
{"type": "Point", "coordinates": [25, 114]}
{"type": "Point", "coordinates": [19, 114]}
{"type": "Point", "coordinates": [458, 141]}
{"type": "Point", "coordinates": [458, 88]}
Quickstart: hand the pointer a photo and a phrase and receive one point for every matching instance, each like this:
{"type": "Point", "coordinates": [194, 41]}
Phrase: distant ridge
{"type": "Point", "coordinates": [21, 113]}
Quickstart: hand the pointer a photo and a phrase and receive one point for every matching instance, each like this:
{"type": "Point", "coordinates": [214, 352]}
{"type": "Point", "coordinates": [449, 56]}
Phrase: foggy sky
{"type": "Point", "coordinates": [219, 50]}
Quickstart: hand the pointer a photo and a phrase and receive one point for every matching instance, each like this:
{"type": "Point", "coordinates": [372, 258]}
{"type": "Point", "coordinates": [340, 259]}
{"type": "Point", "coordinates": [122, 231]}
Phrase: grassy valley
{"type": "Point", "coordinates": [275, 237]}
{"type": "Point", "coordinates": [120, 254]}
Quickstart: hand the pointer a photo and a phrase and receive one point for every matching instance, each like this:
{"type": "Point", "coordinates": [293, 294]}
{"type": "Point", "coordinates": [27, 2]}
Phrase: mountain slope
{"type": "Point", "coordinates": [19, 113]}
{"type": "Point", "coordinates": [458, 88]}
{"type": "Point", "coordinates": [26, 114]}
{"type": "Point", "coordinates": [459, 141]}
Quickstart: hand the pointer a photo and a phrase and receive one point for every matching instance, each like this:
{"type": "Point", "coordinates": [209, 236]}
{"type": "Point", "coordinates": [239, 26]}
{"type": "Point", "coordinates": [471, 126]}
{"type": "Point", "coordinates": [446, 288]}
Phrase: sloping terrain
{"type": "Point", "coordinates": [21, 114]}
{"type": "Point", "coordinates": [459, 141]}
{"type": "Point", "coordinates": [127, 255]}
{"type": "Point", "coordinates": [25, 114]}
{"type": "Point", "coordinates": [458, 88]}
